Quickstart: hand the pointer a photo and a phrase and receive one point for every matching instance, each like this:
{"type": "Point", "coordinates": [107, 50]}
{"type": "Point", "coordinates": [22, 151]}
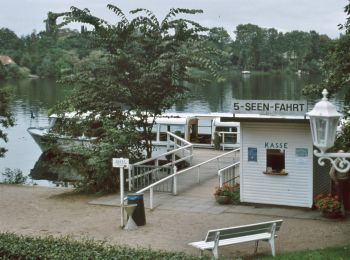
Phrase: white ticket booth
{"type": "Point", "coordinates": [277, 162]}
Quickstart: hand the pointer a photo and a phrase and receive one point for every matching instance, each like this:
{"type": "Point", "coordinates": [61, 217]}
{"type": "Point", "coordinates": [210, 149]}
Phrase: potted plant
{"type": "Point", "coordinates": [227, 194]}
{"type": "Point", "coordinates": [329, 205]}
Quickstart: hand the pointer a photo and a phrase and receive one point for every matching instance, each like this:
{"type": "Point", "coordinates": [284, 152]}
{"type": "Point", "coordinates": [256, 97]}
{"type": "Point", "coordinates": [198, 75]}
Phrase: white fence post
{"type": "Point", "coordinates": [129, 177]}
{"type": "Point", "coordinates": [151, 198]}
{"type": "Point", "coordinates": [220, 179]}
{"type": "Point", "coordinates": [167, 141]}
{"type": "Point", "coordinates": [198, 175]}
{"type": "Point", "coordinates": [223, 141]}
{"type": "Point", "coordinates": [175, 181]}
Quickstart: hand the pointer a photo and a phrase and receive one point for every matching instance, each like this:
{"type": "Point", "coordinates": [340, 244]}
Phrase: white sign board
{"type": "Point", "coordinates": [120, 163]}
{"type": "Point", "coordinates": [270, 107]}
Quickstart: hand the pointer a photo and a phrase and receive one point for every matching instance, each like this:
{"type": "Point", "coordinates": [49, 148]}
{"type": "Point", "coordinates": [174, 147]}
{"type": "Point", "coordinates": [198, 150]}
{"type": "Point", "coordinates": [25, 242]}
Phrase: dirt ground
{"type": "Point", "coordinates": [41, 211]}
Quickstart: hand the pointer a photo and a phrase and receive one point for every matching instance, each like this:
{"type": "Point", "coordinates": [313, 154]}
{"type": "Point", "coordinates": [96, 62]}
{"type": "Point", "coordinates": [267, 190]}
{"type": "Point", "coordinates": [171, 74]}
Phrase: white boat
{"type": "Point", "coordinates": [201, 130]}
{"type": "Point", "coordinates": [245, 71]}
{"type": "Point", "coordinates": [45, 137]}
{"type": "Point", "coordinates": [205, 130]}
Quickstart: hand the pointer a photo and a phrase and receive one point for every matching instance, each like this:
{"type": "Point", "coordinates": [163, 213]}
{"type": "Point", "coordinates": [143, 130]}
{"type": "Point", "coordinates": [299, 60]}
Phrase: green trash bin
{"type": "Point", "coordinates": [139, 214]}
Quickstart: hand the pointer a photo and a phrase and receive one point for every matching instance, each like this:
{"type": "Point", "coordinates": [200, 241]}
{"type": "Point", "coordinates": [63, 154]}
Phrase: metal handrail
{"type": "Point", "coordinates": [224, 169]}
{"type": "Point", "coordinates": [223, 133]}
{"type": "Point", "coordinates": [188, 145]}
{"type": "Point", "coordinates": [174, 176]}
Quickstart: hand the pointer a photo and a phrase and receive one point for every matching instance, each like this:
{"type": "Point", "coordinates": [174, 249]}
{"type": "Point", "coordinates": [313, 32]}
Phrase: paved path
{"type": "Point", "coordinates": [199, 198]}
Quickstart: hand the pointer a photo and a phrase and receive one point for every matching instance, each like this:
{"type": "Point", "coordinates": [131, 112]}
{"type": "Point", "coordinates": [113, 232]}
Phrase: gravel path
{"type": "Point", "coordinates": [41, 211]}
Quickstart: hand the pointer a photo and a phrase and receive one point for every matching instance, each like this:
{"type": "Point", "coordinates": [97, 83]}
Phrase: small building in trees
{"type": "Point", "coordinates": [277, 162]}
{"type": "Point", "coordinates": [6, 60]}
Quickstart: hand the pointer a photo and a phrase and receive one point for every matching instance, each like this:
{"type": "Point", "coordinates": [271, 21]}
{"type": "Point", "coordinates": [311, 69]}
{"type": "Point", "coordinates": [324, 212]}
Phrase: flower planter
{"type": "Point", "coordinates": [331, 214]}
{"type": "Point", "coordinates": [223, 199]}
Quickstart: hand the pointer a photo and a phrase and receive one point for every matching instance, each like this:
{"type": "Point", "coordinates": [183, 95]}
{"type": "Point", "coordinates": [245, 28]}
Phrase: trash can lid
{"type": "Point", "coordinates": [135, 196]}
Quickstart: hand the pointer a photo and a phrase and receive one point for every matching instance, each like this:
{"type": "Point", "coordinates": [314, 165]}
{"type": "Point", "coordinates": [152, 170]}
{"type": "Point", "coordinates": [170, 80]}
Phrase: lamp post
{"type": "Point", "coordinates": [324, 119]}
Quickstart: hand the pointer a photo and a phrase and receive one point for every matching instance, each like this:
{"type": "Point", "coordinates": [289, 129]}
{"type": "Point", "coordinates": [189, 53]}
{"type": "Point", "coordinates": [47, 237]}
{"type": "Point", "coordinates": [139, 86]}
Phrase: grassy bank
{"type": "Point", "coordinates": [21, 247]}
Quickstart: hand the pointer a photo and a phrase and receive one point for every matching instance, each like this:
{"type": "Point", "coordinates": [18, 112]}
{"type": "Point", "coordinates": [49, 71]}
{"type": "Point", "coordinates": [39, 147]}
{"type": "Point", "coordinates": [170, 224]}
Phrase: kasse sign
{"type": "Point", "coordinates": [270, 107]}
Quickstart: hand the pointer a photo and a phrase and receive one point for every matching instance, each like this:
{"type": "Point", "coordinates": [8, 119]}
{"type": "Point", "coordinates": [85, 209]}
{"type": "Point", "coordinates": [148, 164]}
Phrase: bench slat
{"type": "Point", "coordinates": [215, 238]}
{"type": "Point", "coordinates": [203, 245]}
{"type": "Point", "coordinates": [245, 230]}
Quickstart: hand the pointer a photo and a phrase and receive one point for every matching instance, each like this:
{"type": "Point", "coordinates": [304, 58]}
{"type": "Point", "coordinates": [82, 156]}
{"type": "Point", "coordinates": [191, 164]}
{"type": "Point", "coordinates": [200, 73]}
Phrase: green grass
{"type": "Point", "coordinates": [331, 253]}
{"type": "Point", "coordinates": [21, 247]}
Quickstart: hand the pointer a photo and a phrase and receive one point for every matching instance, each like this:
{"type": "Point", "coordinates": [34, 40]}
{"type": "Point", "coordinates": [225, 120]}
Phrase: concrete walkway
{"type": "Point", "coordinates": [199, 198]}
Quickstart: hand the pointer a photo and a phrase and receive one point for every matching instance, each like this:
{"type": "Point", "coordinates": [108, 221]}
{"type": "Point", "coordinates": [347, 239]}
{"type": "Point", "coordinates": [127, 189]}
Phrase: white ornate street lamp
{"type": "Point", "coordinates": [324, 119]}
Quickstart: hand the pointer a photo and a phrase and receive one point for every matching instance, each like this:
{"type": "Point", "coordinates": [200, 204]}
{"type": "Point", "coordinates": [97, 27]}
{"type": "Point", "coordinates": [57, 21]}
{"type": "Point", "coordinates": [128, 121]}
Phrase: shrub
{"type": "Point", "coordinates": [14, 176]}
{"type": "Point", "coordinates": [21, 247]}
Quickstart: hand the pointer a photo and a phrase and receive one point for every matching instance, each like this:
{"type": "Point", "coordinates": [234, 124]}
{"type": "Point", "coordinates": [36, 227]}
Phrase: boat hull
{"type": "Point", "coordinates": [44, 140]}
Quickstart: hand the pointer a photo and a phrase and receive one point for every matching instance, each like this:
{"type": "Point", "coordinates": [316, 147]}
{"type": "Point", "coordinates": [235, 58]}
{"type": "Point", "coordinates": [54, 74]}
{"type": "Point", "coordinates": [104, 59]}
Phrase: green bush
{"type": "Point", "coordinates": [21, 247]}
{"type": "Point", "coordinates": [13, 176]}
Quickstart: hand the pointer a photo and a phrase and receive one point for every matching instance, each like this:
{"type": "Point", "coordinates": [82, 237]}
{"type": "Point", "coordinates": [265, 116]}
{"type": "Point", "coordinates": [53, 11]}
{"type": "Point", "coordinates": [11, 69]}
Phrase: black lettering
{"type": "Point", "coordinates": [277, 106]}
{"type": "Point", "coordinates": [253, 106]}
{"type": "Point", "coordinates": [266, 107]}
{"type": "Point", "coordinates": [289, 107]}
{"type": "Point", "coordinates": [266, 145]}
{"type": "Point", "coordinates": [247, 106]}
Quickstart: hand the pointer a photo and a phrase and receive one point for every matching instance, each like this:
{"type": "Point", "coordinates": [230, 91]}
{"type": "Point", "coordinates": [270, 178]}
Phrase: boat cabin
{"type": "Point", "coordinates": [200, 129]}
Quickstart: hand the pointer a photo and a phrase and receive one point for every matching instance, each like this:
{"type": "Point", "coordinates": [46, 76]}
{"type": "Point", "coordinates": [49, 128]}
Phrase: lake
{"type": "Point", "coordinates": [36, 96]}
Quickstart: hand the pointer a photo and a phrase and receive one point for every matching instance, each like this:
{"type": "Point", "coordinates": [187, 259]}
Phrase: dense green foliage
{"type": "Point", "coordinates": [46, 54]}
{"type": "Point", "coordinates": [53, 52]}
{"type": "Point", "coordinates": [6, 119]}
{"type": "Point", "coordinates": [336, 68]}
{"type": "Point", "coordinates": [336, 77]}
{"type": "Point", "coordinates": [263, 49]}
{"type": "Point", "coordinates": [19, 247]}
{"type": "Point", "coordinates": [13, 176]}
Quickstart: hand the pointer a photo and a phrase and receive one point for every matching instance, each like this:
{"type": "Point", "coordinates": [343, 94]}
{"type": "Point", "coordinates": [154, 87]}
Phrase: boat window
{"type": "Point", "coordinates": [176, 129]}
{"type": "Point", "coordinates": [275, 160]}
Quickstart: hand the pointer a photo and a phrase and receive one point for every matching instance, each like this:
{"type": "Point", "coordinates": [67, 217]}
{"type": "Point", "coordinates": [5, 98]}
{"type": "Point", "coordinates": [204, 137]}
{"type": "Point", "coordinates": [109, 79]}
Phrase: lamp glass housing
{"type": "Point", "coordinates": [323, 131]}
{"type": "Point", "coordinates": [324, 119]}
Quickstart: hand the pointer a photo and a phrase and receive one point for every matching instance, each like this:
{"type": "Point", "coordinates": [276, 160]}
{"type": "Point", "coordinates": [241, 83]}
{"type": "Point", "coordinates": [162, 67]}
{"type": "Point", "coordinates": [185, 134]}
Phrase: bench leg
{"type": "Point", "coordinates": [272, 244]}
{"type": "Point", "coordinates": [256, 246]}
{"type": "Point", "coordinates": [216, 246]}
{"type": "Point", "coordinates": [272, 239]}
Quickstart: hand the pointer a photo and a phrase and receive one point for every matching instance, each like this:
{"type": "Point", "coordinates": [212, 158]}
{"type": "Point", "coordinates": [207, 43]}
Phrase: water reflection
{"type": "Point", "coordinates": [218, 97]}
{"type": "Point", "coordinates": [35, 96]}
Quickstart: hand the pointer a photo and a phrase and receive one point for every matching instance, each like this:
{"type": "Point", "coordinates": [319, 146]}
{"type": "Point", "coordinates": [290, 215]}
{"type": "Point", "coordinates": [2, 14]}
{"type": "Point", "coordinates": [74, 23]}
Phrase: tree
{"type": "Point", "coordinates": [139, 69]}
{"type": "Point", "coordinates": [6, 119]}
{"type": "Point", "coordinates": [145, 66]}
{"type": "Point", "coordinates": [336, 69]}
{"type": "Point", "coordinates": [336, 77]}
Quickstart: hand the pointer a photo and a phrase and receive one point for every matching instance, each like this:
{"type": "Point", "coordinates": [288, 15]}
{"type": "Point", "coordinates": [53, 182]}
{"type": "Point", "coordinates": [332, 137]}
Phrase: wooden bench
{"type": "Point", "coordinates": [265, 231]}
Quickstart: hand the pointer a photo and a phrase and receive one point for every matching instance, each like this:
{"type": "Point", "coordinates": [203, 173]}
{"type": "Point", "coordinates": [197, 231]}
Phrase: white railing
{"type": "Point", "coordinates": [182, 148]}
{"type": "Point", "coordinates": [233, 134]}
{"type": "Point", "coordinates": [229, 174]}
{"type": "Point", "coordinates": [177, 173]}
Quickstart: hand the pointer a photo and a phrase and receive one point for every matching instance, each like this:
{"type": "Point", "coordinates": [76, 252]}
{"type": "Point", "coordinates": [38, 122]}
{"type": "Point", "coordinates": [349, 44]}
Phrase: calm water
{"type": "Point", "coordinates": [37, 96]}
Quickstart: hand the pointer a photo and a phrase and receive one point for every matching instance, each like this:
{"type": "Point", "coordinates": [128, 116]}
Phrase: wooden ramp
{"type": "Point", "coordinates": [204, 179]}
{"type": "Point", "coordinates": [189, 189]}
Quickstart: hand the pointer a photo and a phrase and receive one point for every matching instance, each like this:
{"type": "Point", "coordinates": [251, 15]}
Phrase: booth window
{"type": "Point", "coordinates": [275, 161]}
